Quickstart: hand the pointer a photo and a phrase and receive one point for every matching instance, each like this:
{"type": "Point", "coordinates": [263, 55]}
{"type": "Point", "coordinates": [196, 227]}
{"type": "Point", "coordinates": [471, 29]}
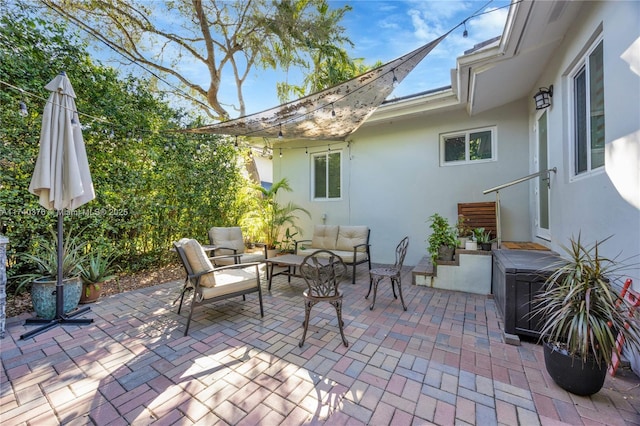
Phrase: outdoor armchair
{"type": "Point", "coordinates": [229, 241]}
{"type": "Point", "coordinates": [212, 284]}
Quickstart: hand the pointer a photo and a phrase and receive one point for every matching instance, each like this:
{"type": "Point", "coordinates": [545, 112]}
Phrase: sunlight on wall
{"type": "Point", "coordinates": [632, 56]}
{"type": "Point", "coordinates": [622, 157]}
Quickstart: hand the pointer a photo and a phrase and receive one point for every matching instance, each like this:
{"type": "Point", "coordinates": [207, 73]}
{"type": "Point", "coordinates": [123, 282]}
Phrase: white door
{"type": "Point", "coordinates": [542, 182]}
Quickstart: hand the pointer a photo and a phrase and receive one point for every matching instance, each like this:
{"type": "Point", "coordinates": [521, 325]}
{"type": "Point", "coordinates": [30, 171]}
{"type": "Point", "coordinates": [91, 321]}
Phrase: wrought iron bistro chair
{"type": "Point", "coordinates": [393, 273]}
{"type": "Point", "coordinates": [322, 271]}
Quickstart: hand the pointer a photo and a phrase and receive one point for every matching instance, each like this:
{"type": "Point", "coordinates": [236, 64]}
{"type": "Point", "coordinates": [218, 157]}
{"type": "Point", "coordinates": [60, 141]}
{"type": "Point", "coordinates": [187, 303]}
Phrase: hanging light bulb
{"type": "Point", "coordinates": [280, 136]}
{"type": "Point", "coordinates": [236, 142]}
{"type": "Point", "coordinates": [333, 111]}
{"type": "Point", "coordinates": [280, 152]}
{"type": "Point", "coordinates": [465, 33]}
{"type": "Point", "coordinates": [395, 82]}
{"type": "Point", "coordinates": [306, 151]}
{"type": "Point", "coordinates": [23, 109]}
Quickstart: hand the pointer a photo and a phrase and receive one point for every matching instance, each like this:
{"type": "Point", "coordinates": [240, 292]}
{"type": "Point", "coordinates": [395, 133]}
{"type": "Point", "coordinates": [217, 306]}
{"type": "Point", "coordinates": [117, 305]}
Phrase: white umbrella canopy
{"type": "Point", "coordinates": [61, 177]}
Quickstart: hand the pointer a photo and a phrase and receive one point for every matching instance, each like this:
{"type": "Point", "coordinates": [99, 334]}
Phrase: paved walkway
{"type": "Point", "coordinates": [441, 362]}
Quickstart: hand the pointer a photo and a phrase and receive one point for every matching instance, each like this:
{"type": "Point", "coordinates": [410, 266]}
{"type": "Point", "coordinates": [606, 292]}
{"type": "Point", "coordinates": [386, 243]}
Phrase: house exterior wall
{"type": "Point", "coordinates": [606, 203]}
{"type": "Point", "coordinates": [392, 180]}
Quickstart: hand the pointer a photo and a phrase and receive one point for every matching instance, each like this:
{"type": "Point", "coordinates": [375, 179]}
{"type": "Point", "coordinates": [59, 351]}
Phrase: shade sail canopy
{"type": "Point", "coordinates": [61, 177]}
{"type": "Point", "coordinates": [331, 114]}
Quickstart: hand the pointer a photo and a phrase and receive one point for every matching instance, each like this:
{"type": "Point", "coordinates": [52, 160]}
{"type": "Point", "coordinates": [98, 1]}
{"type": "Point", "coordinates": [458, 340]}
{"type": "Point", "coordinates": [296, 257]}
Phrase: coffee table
{"type": "Point", "coordinates": [290, 262]}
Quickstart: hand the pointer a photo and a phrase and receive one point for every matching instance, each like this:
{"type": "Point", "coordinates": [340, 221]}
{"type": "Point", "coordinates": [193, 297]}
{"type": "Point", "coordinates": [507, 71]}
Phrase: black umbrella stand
{"type": "Point", "coordinates": [61, 318]}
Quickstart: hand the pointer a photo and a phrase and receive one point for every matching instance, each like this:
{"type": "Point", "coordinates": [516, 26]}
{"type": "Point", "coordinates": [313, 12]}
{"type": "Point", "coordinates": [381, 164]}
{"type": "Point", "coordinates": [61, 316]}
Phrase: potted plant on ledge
{"type": "Point", "coordinates": [483, 238]}
{"type": "Point", "coordinates": [442, 241]}
{"type": "Point", "coordinates": [581, 316]}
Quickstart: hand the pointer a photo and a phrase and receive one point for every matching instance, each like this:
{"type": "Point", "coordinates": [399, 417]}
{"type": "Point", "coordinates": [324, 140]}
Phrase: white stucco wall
{"type": "Point", "coordinates": [393, 181]}
{"type": "Point", "coordinates": [605, 203]}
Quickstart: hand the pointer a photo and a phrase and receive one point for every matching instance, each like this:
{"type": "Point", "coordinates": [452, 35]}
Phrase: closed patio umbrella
{"type": "Point", "coordinates": [61, 178]}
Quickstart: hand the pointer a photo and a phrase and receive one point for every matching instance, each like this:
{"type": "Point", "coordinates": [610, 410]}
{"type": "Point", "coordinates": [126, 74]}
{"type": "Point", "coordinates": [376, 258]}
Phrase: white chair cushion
{"type": "Point", "coordinates": [244, 258]}
{"type": "Point", "coordinates": [324, 237]}
{"type": "Point", "coordinates": [199, 262]}
{"type": "Point", "coordinates": [347, 256]}
{"type": "Point", "coordinates": [230, 281]}
{"type": "Point", "coordinates": [350, 236]}
{"type": "Point", "coordinates": [230, 237]}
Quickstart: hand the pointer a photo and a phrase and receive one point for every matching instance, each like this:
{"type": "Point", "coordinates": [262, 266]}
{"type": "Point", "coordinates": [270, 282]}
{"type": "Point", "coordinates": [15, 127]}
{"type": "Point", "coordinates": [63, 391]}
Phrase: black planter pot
{"type": "Point", "coordinates": [486, 246]}
{"type": "Point", "coordinates": [571, 373]}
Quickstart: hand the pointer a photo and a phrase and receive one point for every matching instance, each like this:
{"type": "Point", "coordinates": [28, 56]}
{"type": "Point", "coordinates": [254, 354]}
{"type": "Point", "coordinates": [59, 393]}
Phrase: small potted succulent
{"type": "Point", "coordinates": [483, 238]}
{"type": "Point", "coordinates": [97, 269]}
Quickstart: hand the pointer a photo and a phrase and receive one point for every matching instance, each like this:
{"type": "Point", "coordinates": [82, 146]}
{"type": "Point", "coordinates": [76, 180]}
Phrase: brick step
{"type": "Point", "coordinates": [424, 268]}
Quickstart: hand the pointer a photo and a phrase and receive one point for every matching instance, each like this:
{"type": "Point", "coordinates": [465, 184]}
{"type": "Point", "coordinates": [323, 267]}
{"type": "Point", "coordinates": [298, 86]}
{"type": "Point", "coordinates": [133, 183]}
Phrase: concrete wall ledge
{"type": "Point", "coordinates": [469, 272]}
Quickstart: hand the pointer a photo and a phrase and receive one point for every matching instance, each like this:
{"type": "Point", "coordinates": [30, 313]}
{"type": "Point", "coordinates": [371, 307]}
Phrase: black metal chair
{"type": "Point", "coordinates": [394, 274]}
{"type": "Point", "coordinates": [322, 271]}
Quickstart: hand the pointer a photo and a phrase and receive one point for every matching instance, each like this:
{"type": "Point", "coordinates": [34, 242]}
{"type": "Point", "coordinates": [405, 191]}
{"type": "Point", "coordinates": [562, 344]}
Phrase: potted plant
{"type": "Point", "coordinates": [442, 241]}
{"type": "Point", "coordinates": [271, 216]}
{"type": "Point", "coordinates": [97, 269]}
{"type": "Point", "coordinates": [581, 316]}
{"type": "Point", "coordinates": [463, 230]}
{"type": "Point", "coordinates": [44, 280]}
{"type": "Point", "coordinates": [483, 238]}
{"type": "Point", "coordinates": [287, 244]}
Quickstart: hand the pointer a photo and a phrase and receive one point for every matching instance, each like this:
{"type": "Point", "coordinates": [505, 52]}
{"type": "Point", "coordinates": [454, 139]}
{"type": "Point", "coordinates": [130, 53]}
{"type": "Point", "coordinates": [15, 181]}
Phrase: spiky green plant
{"type": "Point", "coordinates": [581, 311]}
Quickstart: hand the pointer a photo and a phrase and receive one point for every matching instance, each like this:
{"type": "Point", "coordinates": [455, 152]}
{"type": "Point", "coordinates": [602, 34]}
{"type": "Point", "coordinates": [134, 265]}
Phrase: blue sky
{"type": "Point", "coordinates": [385, 30]}
{"type": "Point", "coordinates": [380, 30]}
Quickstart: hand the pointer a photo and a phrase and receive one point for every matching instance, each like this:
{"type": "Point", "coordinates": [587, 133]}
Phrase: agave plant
{"type": "Point", "coordinates": [580, 309]}
{"type": "Point", "coordinates": [46, 259]}
{"type": "Point", "coordinates": [98, 267]}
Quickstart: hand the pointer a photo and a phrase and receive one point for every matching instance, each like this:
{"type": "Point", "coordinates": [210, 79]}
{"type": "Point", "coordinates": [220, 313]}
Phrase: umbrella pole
{"type": "Point", "coordinates": [60, 318]}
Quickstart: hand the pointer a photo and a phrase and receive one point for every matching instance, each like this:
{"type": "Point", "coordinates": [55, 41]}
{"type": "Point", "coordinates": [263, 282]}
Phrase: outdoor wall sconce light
{"type": "Point", "coordinates": [543, 97]}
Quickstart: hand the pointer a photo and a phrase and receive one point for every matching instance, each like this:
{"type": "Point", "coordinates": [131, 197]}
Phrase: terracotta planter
{"type": "Point", "coordinates": [90, 293]}
{"type": "Point", "coordinates": [571, 373]}
{"type": "Point", "coordinates": [43, 296]}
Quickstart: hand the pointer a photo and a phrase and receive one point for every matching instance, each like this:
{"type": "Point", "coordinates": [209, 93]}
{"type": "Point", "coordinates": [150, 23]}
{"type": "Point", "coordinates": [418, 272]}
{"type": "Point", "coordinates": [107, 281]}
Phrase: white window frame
{"type": "Point", "coordinates": [583, 65]}
{"type": "Point", "coordinates": [326, 154]}
{"type": "Point", "coordinates": [467, 156]}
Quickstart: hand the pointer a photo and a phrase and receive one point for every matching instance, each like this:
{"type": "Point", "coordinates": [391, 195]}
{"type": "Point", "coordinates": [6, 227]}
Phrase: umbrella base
{"type": "Point", "coordinates": [61, 320]}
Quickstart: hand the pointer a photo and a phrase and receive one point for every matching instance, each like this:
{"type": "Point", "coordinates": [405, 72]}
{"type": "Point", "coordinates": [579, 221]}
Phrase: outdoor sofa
{"type": "Point", "coordinates": [351, 243]}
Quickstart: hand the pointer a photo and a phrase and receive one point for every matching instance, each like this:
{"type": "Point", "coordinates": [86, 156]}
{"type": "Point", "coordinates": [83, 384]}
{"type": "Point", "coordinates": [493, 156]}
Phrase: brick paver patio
{"type": "Point", "coordinates": [441, 362]}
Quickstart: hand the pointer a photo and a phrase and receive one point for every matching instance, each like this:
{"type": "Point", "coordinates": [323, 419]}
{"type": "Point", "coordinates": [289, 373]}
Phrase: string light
{"type": "Point", "coordinates": [306, 151]}
{"type": "Point", "coordinates": [280, 152]}
{"type": "Point", "coordinates": [333, 111]}
{"type": "Point", "coordinates": [395, 82]}
{"type": "Point", "coordinates": [280, 136]}
{"type": "Point", "coordinates": [465, 33]}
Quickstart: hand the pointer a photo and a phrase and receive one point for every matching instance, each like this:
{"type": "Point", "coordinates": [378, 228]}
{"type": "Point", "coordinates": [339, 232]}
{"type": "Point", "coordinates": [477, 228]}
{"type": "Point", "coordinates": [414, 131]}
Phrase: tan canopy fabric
{"type": "Point", "coordinates": [332, 114]}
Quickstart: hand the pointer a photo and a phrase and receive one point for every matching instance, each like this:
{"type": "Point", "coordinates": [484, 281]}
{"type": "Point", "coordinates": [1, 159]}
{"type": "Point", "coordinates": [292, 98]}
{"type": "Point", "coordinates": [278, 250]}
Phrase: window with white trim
{"type": "Point", "coordinates": [588, 111]}
{"type": "Point", "coordinates": [326, 168]}
{"type": "Point", "coordinates": [466, 147]}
